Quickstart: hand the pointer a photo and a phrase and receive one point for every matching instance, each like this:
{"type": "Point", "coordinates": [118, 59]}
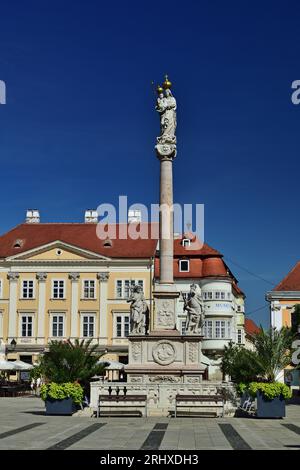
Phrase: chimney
{"type": "Point", "coordinates": [32, 216]}
{"type": "Point", "coordinates": [134, 215]}
{"type": "Point", "coordinates": [91, 216]}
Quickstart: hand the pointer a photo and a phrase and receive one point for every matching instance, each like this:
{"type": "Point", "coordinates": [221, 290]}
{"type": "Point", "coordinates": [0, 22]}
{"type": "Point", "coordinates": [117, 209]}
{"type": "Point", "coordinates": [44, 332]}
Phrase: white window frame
{"type": "Point", "coordinates": [186, 242]}
{"type": "Point", "coordinates": [57, 314]}
{"type": "Point", "coordinates": [27, 315]}
{"type": "Point", "coordinates": [122, 315]}
{"type": "Point", "coordinates": [224, 329]}
{"type": "Point", "coordinates": [239, 336]}
{"type": "Point", "coordinates": [22, 289]}
{"type": "Point", "coordinates": [208, 327]}
{"type": "Point", "coordinates": [64, 289]}
{"type": "Point", "coordinates": [90, 315]}
{"type": "Point", "coordinates": [188, 265]}
{"type": "Point", "coordinates": [83, 289]}
{"type": "Point", "coordinates": [208, 295]}
{"type": "Point", "coordinates": [131, 283]}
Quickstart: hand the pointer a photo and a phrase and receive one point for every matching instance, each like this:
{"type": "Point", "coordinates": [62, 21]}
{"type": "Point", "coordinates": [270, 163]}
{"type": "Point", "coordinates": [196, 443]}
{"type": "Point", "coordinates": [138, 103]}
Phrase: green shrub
{"type": "Point", "coordinates": [62, 391]}
{"type": "Point", "coordinates": [270, 390]}
{"type": "Point", "coordinates": [67, 361]}
{"type": "Point", "coordinates": [241, 388]}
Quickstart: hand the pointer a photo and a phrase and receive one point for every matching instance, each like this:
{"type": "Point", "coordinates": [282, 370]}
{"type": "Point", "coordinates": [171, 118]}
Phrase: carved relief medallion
{"type": "Point", "coordinates": [164, 353]}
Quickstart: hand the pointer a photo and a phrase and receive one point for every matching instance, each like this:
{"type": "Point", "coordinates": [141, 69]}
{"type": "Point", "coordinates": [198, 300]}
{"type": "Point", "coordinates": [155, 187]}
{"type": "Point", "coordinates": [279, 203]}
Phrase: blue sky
{"type": "Point", "coordinates": [79, 125]}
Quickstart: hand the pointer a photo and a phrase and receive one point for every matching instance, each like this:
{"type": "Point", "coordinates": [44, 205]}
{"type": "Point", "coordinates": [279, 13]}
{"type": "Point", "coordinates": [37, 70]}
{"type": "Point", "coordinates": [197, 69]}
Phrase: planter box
{"type": "Point", "coordinates": [60, 407]}
{"type": "Point", "coordinates": [270, 408]}
{"type": "Point", "coordinates": [244, 397]}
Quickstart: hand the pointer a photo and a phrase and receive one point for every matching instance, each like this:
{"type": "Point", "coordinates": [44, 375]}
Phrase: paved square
{"type": "Point", "coordinates": [24, 425]}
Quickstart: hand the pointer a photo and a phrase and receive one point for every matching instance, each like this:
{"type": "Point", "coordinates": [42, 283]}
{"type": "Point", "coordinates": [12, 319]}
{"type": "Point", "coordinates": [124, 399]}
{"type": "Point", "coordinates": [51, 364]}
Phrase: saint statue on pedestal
{"type": "Point", "coordinates": [195, 310]}
{"type": "Point", "coordinates": [166, 107]}
{"type": "Point", "coordinates": [139, 311]}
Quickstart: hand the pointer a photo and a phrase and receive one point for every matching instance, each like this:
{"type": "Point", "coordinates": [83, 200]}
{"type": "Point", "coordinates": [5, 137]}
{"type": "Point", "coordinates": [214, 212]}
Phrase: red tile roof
{"type": "Point", "coordinates": [196, 249]}
{"type": "Point", "coordinates": [204, 260]}
{"type": "Point", "coordinates": [291, 282]}
{"type": "Point", "coordinates": [81, 235]}
{"type": "Point", "coordinates": [250, 327]}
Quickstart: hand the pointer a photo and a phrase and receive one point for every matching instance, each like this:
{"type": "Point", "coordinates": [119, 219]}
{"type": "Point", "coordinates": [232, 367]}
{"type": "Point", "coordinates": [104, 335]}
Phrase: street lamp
{"type": "Point", "coordinates": [13, 344]}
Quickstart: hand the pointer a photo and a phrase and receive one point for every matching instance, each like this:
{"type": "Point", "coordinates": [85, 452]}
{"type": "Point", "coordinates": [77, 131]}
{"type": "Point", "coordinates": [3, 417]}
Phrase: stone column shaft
{"type": "Point", "coordinates": [103, 284]}
{"type": "Point", "coordinates": [74, 305]}
{"type": "Point", "coordinates": [12, 312]}
{"type": "Point", "coordinates": [41, 277]}
{"type": "Point", "coordinates": [166, 221]}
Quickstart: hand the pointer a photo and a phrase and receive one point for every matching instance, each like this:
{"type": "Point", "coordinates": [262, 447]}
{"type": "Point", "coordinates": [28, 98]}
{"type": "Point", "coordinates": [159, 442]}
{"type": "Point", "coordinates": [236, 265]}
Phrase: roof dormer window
{"type": "Point", "coordinates": [18, 243]}
{"type": "Point", "coordinates": [184, 265]}
{"type": "Point", "coordinates": [186, 242]}
{"type": "Point", "coordinates": [107, 243]}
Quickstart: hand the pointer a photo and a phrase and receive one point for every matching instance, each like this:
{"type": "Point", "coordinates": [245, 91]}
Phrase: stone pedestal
{"type": "Point", "coordinates": [165, 357]}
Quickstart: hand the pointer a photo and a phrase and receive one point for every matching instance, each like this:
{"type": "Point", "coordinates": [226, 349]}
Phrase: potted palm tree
{"type": "Point", "coordinates": [67, 368]}
{"type": "Point", "coordinates": [256, 372]}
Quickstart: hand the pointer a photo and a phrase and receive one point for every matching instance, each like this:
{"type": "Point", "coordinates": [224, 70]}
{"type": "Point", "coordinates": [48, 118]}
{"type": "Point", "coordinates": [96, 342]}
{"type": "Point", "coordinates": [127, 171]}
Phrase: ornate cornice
{"type": "Point", "coordinates": [278, 295]}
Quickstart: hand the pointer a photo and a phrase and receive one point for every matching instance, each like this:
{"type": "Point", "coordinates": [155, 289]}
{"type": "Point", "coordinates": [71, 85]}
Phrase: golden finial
{"type": "Point", "coordinates": [159, 89]}
{"type": "Point", "coordinates": [167, 83]}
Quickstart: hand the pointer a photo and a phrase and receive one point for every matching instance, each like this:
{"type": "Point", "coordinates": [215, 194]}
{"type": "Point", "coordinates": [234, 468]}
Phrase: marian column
{"type": "Point", "coordinates": [162, 355]}
{"type": "Point", "coordinates": [165, 294]}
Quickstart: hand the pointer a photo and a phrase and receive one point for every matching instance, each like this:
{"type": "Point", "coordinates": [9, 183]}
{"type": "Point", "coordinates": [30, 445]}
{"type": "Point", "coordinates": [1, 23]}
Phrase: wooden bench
{"type": "Point", "coordinates": [189, 401]}
{"type": "Point", "coordinates": [122, 401]}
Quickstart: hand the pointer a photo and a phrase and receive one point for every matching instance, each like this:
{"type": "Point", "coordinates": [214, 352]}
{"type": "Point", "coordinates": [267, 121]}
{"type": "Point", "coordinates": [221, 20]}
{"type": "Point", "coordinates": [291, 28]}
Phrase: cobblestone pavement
{"type": "Point", "coordinates": [24, 425]}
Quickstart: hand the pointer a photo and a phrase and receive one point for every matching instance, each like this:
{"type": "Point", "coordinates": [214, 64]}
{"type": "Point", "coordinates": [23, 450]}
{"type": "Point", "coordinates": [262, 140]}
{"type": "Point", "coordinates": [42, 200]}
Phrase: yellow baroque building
{"type": "Point", "coordinates": [60, 281]}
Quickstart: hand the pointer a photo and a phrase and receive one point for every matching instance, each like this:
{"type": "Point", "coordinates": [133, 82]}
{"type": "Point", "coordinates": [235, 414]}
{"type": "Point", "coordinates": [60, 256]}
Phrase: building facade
{"type": "Point", "coordinates": [284, 297]}
{"type": "Point", "coordinates": [222, 298]}
{"type": "Point", "coordinates": [60, 281]}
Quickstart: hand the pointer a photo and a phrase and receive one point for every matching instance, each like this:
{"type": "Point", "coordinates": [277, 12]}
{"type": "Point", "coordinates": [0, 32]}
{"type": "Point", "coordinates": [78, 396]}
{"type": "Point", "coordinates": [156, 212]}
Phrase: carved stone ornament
{"type": "Point", "coordinates": [74, 276]}
{"type": "Point", "coordinates": [166, 150]}
{"type": "Point", "coordinates": [41, 276]}
{"type": "Point", "coordinates": [13, 276]}
{"type": "Point", "coordinates": [136, 379]}
{"type": "Point", "coordinates": [165, 314]}
{"type": "Point", "coordinates": [193, 349]}
{"type": "Point", "coordinates": [165, 379]}
{"type": "Point", "coordinates": [164, 353]}
{"type": "Point", "coordinates": [103, 277]}
{"type": "Point", "coordinates": [136, 351]}
{"type": "Point", "coordinates": [193, 380]}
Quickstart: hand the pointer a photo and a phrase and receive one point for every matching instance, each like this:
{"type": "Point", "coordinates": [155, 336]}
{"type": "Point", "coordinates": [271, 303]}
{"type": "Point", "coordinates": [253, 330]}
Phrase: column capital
{"type": "Point", "coordinates": [13, 276]}
{"type": "Point", "coordinates": [41, 276]}
{"type": "Point", "coordinates": [103, 277]}
{"type": "Point", "coordinates": [74, 277]}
